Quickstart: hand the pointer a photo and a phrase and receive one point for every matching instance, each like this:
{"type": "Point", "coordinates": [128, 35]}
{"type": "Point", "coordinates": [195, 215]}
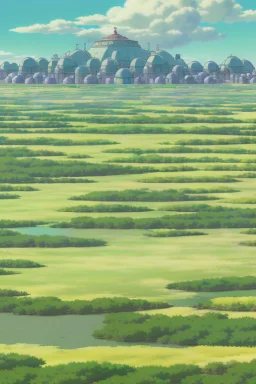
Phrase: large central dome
{"type": "Point", "coordinates": [124, 49]}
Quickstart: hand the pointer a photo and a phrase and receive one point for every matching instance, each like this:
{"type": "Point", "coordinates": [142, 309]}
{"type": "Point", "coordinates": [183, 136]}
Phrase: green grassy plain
{"type": "Point", "coordinates": [131, 265]}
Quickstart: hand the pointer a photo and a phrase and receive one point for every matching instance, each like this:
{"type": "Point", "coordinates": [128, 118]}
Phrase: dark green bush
{"type": "Point", "coordinates": [172, 233]}
{"type": "Point", "coordinates": [8, 263]}
{"type": "Point", "coordinates": [11, 293]}
{"type": "Point", "coordinates": [147, 195]}
{"type": "Point", "coordinates": [52, 306]}
{"type": "Point", "coordinates": [211, 329]}
{"type": "Point", "coordinates": [106, 208]}
{"type": "Point", "coordinates": [221, 284]}
{"type": "Point", "coordinates": [8, 196]}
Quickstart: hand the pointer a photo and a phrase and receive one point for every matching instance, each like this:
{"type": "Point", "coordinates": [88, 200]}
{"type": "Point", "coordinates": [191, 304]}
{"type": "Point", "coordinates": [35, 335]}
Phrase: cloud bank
{"type": "Point", "coordinates": [169, 22]}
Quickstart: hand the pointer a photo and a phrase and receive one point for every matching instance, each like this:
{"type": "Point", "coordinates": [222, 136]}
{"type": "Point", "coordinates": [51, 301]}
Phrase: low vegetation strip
{"type": "Point", "coordinates": [147, 195]}
{"type": "Point", "coordinates": [241, 304]}
{"type": "Point", "coordinates": [172, 233]}
{"type": "Point", "coordinates": [249, 243]}
{"type": "Point", "coordinates": [17, 240]}
{"type": "Point", "coordinates": [25, 169]}
{"type": "Point", "coordinates": [229, 141]}
{"type": "Point", "coordinates": [211, 329]}
{"type": "Point", "coordinates": [53, 306]}
{"type": "Point", "coordinates": [51, 141]}
{"type": "Point", "coordinates": [11, 293]}
{"type": "Point", "coordinates": [25, 152]}
{"type": "Point", "coordinates": [4, 272]}
{"type": "Point", "coordinates": [11, 188]}
{"type": "Point", "coordinates": [221, 284]}
{"type": "Point", "coordinates": [182, 149]}
{"type": "Point", "coordinates": [9, 263]}
{"type": "Point", "coordinates": [19, 224]}
{"type": "Point", "coordinates": [228, 218]}
{"type": "Point", "coordinates": [186, 179]}
{"type": "Point", "coordinates": [157, 159]}
{"type": "Point", "coordinates": [8, 196]}
{"type": "Point", "coordinates": [106, 208]}
{"type": "Point", "coordinates": [23, 369]}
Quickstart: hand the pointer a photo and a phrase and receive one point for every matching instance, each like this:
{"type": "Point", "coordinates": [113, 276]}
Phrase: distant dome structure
{"type": "Point", "coordinates": [169, 61]}
{"type": "Point", "coordinates": [189, 79]}
{"type": "Point", "coordinates": [43, 64]}
{"type": "Point", "coordinates": [93, 66]}
{"type": "Point", "coordinates": [172, 78]}
{"type": "Point", "coordinates": [30, 80]}
{"type": "Point", "coordinates": [109, 67]}
{"type": "Point", "coordinates": [8, 80]}
{"type": "Point", "coordinates": [53, 63]}
{"type": "Point", "coordinates": [91, 79]}
{"type": "Point", "coordinates": [124, 76]}
{"type": "Point", "coordinates": [243, 79]}
{"type": "Point", "coordinates": [195, 67]}
{"type": "Point", "coordinates": [14, 67]}
{"type": "Point", "coordinates": [28, 67]}
{"type": "Point", "coordinates": [154, 67]}
{"type": "Point", "coordinates": [234, 65]}
{"type": "Point", "coordinates": [38, 77]}
{"type": "Point", "coordinates": [210, 80]}
{"type": "Point", "coordinates": [6, 68]}
{"type": "Point", "coordinates": [179, 71]}
{"type": "Point", "coordinates": [13, 74]}
{"type": "Point", "coordinates": [79, 57]}
{"type": "Point", "coordinates": [122, 58]}
{"type": "Point", "coordinates": [80, 73]}
{"type": "Point", "coordinates": [19, 79]}
{"type": "Point", "coordinates": [211, 67]}
{"type": "Point", "coordinates": [201, 77]}
{"type": "Point", "coordinates": [69, 80]}
{"type": "Point", "coordinates": [160, 80]}
{"type": "Point", "coordinates": [182, 63]}
{"type": "Point", "coordinates": [248, 66]}
{"type": "Point", "coordinates": [50, 80]}
{"type": "Point", "coordinates": [125, 48]}
{"type": "Point", "coordinates": [137, 66]}
{"type": "Point", "coordinates": [67, 65]}
{"type": "Point", "coordinates": [139, 80]}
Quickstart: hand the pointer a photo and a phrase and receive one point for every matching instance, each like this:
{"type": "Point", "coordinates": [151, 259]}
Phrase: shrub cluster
{"type": "Point", "coordinates": [186, 179]}
{"type": "Point", "coordinates": [53, 306]}
{"type": "Point", "coordinates": [51, 141]}
{"type": "Point", "coordinates": [172, 233]}
{"type": "Point", "coordinates": [221, 284]}
{"type": "Point", "coordinates": [17, 240]}
{"type": "Point", "coordinates": [11, 293]}
{"type": "Point", "coordinates": [181, 149]}
{"type": "Point", "coordinates": [25, 152]}
{"type": "Point", "coordinates": [157, 159]}
{"type": "Point", "coordinates": [244, 304]}
{"type": "Point", "coordinates": [8, 196]}
{"type": "Point", "coordinates": [9, 263]}
{"type": "Point", "coordinates": [22, 369]}
{"type": "Point", "coordinates": [18, 224]}
{"type": "Point", "coordinates": [211, 329]}
{"type": "Point", "coordinates": [4, 272]}
{"type": "Point", "coordinates": [106, 208]}
{"type": "Point", "coordinates": [13, 170]}
{"type": "Point", "coordinates": [226, 218]}
{"type": "Point", "coordinates": [20, 188]}
{"type": "Point", "coordinates": [147, 195]}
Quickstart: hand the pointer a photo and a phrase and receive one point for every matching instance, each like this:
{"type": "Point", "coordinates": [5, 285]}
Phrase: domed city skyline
{"type": "Point", "coordinates": [121, 60]}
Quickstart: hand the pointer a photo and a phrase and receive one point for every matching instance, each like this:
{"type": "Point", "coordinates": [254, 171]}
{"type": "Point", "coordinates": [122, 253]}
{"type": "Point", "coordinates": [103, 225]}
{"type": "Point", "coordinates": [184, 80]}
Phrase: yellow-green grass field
{"type": "Point", "coordinates": [131, 265]}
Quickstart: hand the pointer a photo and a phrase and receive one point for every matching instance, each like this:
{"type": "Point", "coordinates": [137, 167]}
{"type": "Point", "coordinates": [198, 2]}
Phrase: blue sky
{"type": "Point", "coordinates": [239, 34]}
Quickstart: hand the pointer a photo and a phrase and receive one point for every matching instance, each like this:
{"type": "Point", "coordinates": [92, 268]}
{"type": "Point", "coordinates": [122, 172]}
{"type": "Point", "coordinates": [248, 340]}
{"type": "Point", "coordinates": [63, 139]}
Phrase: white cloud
{"type": "Point", "coordinates": [169, 22]}
{"type": "Point", "coordinates": [4, 54]}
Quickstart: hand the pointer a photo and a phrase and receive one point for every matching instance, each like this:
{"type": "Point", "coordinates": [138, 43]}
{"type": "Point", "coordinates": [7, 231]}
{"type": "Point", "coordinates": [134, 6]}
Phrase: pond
{"type": "Point", "coordinates": [65, 332]}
